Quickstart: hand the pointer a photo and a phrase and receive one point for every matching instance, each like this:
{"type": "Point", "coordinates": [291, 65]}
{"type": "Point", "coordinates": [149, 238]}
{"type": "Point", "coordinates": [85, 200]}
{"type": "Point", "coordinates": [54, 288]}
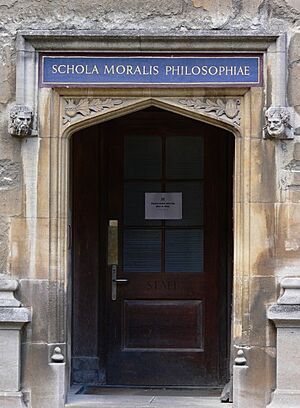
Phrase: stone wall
{"type": "Point", "coordinates": [174, 16]}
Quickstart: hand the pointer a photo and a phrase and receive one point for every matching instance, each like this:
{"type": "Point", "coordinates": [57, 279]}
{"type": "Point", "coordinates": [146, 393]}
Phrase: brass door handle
{"type": "Point", "coordinates": [112, 244]}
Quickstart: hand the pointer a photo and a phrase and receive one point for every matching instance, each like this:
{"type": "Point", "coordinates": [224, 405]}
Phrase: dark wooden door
{"type": "Point", "coordinates": [167, 324]}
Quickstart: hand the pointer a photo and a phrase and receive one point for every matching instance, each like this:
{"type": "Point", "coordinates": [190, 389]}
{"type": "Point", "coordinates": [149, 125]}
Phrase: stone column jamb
{"type": "Point", "coordinates": [286, 317]}
{"type": "Point", "coordinates": [27, 76]}
{"type": "Point", "coordinates": [280, 93]}
{"type": "Point", "coordinates": [12, 319]}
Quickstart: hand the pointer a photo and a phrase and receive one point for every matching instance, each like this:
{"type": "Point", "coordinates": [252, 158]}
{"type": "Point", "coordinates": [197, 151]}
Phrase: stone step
{"type": "Point", "coordinates": [117, 401]}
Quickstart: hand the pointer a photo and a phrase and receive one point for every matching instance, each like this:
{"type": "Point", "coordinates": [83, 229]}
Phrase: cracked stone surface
{"type": "Point", "coordinates": [10, 174]}
{"type": "Point", "coordinates": [4, 248]}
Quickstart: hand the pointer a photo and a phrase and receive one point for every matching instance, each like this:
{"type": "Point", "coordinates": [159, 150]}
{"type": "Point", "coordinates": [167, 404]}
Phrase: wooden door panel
{"type": "Point", "coordinates": [166, 324]}
{"type": "Point", "coordinates": [163, 325]}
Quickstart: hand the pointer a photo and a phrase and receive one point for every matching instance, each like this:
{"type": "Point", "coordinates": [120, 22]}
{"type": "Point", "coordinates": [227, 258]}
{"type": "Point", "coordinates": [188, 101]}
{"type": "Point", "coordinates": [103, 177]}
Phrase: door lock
{"type": "Point", "coordinates": [114, 281]}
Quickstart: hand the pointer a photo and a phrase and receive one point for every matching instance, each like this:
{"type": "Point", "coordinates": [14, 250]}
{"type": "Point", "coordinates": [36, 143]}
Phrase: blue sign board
{"type": "Point", "coordinates": [150, 70]}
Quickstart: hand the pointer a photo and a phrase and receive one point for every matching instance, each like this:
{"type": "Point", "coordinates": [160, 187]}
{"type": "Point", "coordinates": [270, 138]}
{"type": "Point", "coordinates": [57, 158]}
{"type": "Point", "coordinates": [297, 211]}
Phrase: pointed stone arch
{"type": "Point", "coordinates": [78, 112]}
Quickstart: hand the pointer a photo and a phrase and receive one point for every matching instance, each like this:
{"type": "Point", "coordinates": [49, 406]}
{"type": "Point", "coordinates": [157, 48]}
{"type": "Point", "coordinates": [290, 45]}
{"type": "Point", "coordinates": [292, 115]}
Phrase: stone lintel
{"type": "Point", "coordinates": [144, 40]}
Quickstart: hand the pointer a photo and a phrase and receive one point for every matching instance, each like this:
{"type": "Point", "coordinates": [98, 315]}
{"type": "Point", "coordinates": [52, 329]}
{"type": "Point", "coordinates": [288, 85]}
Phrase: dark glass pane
{"type": "Point", "coordinates": [142, 157]}
{"type": "Point", "coordinates": [184, 250]}
{"type": "Point", "coordinates": [141, 250]}
{"type": "Point", "coordinates": [134, 202]}
{"type": "Point", "coordinates": [192, 202]}
{"type": "Point", "coordinates": [184, 156]}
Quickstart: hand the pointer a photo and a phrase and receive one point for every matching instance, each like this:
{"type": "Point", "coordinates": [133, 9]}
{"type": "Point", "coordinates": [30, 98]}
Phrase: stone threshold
{"type": "Point", "coordinates": [110, 401]}
{"type": "Point", "coordinates": [124, 400]}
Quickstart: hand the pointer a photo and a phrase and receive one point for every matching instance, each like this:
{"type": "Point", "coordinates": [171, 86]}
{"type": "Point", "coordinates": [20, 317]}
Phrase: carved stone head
{"type": "Point", "coordinates": [21, 118]}
{"type": "Point", "coordinates": [278, 123]}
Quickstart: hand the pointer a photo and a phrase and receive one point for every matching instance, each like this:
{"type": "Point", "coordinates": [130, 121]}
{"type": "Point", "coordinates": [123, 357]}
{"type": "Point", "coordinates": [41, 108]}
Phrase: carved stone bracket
{"type": "Point", "coordinates": [227, 109]}
{"type": "Point", "coordinates": [21, 121]}
{"type": "Point", "coordinates": [75, 109]}
{"type": "Point", "coordinates": [278, 123]}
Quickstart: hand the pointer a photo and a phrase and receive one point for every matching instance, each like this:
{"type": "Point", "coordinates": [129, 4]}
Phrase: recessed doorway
{"type": "Point", "coordinates": [152, 251]}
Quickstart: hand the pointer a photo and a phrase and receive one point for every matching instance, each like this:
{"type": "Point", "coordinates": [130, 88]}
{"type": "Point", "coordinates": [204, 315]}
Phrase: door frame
{"type": "Point", "coordinates": [52, 176]}
{"type": "Point", "coordinates": [167, 103]}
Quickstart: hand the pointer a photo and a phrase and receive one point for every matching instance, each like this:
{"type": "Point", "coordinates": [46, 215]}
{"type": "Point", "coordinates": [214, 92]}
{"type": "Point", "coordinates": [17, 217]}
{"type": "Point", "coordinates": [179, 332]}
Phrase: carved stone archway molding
{"type": "Point", "coordinates": [226, 109]}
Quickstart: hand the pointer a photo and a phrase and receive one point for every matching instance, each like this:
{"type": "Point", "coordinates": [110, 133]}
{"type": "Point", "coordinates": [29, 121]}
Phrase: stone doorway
{"type": "Point", "coordinates": [114, 164]}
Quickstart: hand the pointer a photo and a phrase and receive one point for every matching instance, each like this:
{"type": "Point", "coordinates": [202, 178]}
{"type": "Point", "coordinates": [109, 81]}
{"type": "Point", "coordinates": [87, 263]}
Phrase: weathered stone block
{"type": "Point", "coordinates": [44, 168]}
{"type": "Point", "coordinates": [11, 321]}
{"type": "Point", "coordinates": [293, 86]}
{"type": "Point", "coordinates": [4, 243]}
{"type": "Point", "coordinates": [291, 295]}
{"type": "Point", "coordinates": [262, 177]}
{"type": "Point", "coordinates": [257, 379]}
{"type": "Point", "coordinates": [262, 294]}
{"type": "Point", "coordinates": [29, 256]}
{"type": "Point", "coordinates": [294, 47]}
{"type": "Point", "coordinates": [294, 4]}
{"type": "Point", "coordinates": [288, 241]}
{"type": "Point", "coordinates": [34, 293]}
{"type": "Point", "coordinates": [44, 394]}
{"type": "Point", "coordinates": [287, 321]}
{"type": "Point", "coordinates": [239, 382]}
{"type": "Point", "coordinates": [7, 288]}
{"type": "Point", "coordinates": [262, 239]}
{"type": "Point", "coordinates": [12, 400]}
{"type": "Point", "coordinates": [286, 316]}
{"type": "Point", "coordinates": [219, 10]}
{"type": "Point", "coordinates": [9, 361]}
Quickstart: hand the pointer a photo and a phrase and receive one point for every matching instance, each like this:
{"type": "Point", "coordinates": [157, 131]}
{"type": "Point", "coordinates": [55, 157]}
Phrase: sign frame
{"type": "Point", "coordinates": [170, 57]}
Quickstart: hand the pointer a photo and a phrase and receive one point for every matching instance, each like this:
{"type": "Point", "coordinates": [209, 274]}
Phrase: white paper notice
{"type": "Point", "coordinates": [163, 206]}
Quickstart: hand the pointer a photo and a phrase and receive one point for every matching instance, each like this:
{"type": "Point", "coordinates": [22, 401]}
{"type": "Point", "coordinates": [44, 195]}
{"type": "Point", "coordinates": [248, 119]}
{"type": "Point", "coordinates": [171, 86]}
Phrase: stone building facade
{"type": "Point", "coordinates": [41, 292]}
